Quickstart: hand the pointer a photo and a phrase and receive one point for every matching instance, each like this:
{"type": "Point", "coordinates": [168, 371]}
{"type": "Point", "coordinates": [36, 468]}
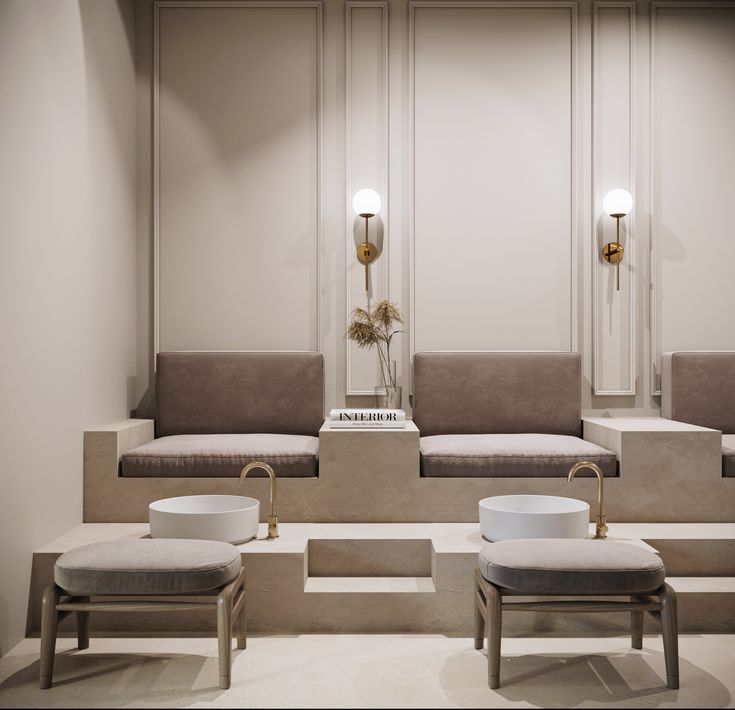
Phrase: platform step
{"type": "Point", "coordinates": [369, 585]}
{"type": "Point", "coordinates": [369, 557]}
{"type": "Point", "coordinates": [687, 549]}
{"type": "Point", "coordinates": [705, 604]}
{"type": "Point", "coordinates": [703, 585]}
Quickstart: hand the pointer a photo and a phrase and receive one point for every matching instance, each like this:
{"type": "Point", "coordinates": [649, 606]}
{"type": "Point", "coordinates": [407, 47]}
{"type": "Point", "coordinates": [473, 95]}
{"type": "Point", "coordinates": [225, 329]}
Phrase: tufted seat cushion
{"type": "Point", "coordinates": [571, 567]}
{"type": "Point", "coordinates": [222, 455]}
{"type": "Point", "coordinates": [130, 567]}
{"type": "Point", "coordinates": [728, 454]}
{"type": "Point", "coordinates": [518, 455]}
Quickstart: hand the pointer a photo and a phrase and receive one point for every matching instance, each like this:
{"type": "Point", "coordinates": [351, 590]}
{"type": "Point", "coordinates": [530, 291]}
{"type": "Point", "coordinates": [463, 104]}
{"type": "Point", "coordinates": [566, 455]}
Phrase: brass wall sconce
{"type": "Point", "coordinates": [617, 203]}
{"type": "Point", "coordinates": [366, 204]}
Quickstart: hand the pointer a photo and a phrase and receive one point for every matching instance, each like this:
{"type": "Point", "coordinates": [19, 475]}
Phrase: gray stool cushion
{"type": "Point", "coordinates": [571, 567]}
{"type": "Point", "coordinates": [147, 567]}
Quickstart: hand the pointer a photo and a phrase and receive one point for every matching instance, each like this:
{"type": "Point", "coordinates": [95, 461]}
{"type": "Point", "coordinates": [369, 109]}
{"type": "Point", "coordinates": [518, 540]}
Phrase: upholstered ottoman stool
{"type": "Point", "coordinates": [197, 573]}
{"type": "Point", "coordinates": [557, 568]}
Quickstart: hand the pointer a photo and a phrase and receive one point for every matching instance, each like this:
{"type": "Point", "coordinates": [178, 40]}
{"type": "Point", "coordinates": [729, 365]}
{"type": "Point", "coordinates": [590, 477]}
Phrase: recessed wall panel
{"type": "Point", "coordinates": [693, 178]}
{"type": "Point", "coordinates": [238, 189]}
{"type": "Point", "coordinates": [366, 135]}
{"type": "Point", "coordinates": [613, 122]}
{"type": "Point", "coordinates": [492, 177]}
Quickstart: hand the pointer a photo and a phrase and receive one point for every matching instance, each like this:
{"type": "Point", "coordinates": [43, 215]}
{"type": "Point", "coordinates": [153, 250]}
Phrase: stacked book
{"type": "Point", "coordinates": [367, 418]}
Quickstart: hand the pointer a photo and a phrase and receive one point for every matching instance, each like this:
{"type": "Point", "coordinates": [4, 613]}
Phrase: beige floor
{"type": "Point", "coordinates": [371, 671]}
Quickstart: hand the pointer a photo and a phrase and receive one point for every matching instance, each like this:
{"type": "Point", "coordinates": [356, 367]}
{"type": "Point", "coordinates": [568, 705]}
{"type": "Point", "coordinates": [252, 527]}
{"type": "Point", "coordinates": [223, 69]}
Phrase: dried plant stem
{"type": "Point", "coordinates": [385, 369]}
{"type": "Point", "coordinates": [375, 328]}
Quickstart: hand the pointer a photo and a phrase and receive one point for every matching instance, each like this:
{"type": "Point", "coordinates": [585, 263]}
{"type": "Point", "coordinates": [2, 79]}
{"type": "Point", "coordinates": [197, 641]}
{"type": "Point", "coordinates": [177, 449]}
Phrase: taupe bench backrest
{"type": "Point", "coordinates": [497, 393]}
{"type": "Point", "coordinates": [699, 388]}
{"type": "Point", "coordinates": [239, 393]}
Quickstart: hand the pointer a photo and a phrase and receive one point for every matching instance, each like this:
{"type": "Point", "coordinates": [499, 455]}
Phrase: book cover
{"type": "Point", "coordinates": [367, 424]}
{"type": "Point", "coordinates": [367, 415]}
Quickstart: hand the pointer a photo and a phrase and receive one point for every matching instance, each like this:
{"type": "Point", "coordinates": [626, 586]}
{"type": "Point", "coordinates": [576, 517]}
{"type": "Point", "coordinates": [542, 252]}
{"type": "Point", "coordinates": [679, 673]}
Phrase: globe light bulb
{"type": "Point", "coordinates": [366, 202]}
{"type": "Point", "coordinates": [617, 202]}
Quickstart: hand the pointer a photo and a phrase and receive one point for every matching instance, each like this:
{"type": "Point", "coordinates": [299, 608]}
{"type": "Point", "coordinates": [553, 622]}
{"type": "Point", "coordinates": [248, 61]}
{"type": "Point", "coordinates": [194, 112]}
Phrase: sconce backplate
{"type": "Point", "coordinates": [613, 252]}
{"type": "Point", "coordinates": [367, 253]}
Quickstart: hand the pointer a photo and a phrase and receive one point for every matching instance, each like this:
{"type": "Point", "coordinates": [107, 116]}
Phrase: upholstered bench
{"type": "Point", "coordinates": [502, 415]}
{"type": "Point", "coordinates": [197, 573]}
{"type": "Point", "coordinates": [218, 411]}
{"type": "Point", "coordinates": [589, 568]}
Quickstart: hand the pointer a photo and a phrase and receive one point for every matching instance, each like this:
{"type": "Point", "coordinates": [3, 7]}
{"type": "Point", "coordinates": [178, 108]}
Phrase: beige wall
{"type": "Point", "coordinates": [67, 270]}
{"type": "Point", "coordinates": [493, 131]}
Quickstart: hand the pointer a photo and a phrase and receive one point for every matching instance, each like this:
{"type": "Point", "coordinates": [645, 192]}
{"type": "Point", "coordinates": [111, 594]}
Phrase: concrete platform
{"type": "Point", "coordinates": [406, 577]}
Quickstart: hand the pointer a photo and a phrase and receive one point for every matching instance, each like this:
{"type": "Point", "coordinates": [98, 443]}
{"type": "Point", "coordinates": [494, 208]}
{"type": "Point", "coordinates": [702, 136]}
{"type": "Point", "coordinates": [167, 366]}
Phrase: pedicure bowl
{"type": "Point", "coordinates": [528, 516]}
{"type": "Point", "coordinates": [214, 517]}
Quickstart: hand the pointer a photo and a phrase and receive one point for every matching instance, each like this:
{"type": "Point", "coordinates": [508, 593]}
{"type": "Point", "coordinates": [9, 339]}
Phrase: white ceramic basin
{"type": "Point", "coordinates": [226, 518]}
{"type": "Point", "coordinates": [521, 516]}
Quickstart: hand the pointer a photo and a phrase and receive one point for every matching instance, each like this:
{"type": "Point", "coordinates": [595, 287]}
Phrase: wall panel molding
{"type": "Point", "coordinates": [158, 5]}
{"type": "Point", "coordinates": [654, 349]}
{"type": "Point", "coordinates": [415, 7]}
{"type": "Point", "coordinates": [655, 287]}
{"type": "Point", "coordinates": [602, 272]}
{"type": "Point", "coordinates": [360, 365]}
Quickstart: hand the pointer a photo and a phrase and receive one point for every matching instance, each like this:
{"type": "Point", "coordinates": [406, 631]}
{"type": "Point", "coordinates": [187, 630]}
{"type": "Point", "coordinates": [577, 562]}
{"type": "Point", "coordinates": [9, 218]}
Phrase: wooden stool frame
{"type": "Point", "coordinates": [229, 602]}
{"type": "Point", "coordinates": [489, 608]}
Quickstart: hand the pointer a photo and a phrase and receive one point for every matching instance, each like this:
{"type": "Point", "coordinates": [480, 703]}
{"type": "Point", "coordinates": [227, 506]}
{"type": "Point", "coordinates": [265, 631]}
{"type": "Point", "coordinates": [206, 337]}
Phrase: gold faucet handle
{"type": "Point", "coordinates": [600, 527]}
{"type": "Point", "coordinates": [272, 527]}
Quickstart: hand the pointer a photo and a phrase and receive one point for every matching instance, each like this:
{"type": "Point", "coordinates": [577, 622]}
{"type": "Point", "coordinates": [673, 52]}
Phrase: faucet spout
{"type": "Point", "coordinates": [272, 516]}
{"type": "Point", "coordinates": [600, 522]}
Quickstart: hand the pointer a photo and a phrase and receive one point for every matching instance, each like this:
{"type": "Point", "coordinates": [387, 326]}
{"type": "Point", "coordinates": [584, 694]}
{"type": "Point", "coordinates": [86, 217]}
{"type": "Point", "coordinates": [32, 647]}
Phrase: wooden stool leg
{"type": "Point", "coordinates": [83, 627]}
{"type": "Point", "coordinates": [224, 636]}
{"type": "Point", "coordinates": [49, 624]}
{"type": "Point", "coordinates": [670, 632]}
{"type": "Point", "coordinates": [636, 626]}
{"type": "Point", "coordinates": [241, 623]}
{"type": "Point", "coordinates": [242, 629]}
{"type": "Point", "coordinates": [494, 623]}
{"type": "Point", "coordinates": [479, 617]}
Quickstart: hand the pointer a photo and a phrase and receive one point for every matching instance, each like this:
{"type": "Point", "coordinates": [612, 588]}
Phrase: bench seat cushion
{"type": "Point", "coordinates": [571, 567]}
{"type": "Point", "coordinates": [147, 567]}
{"type": "Point", "coordinates": [728, 454]}
{"type": "Point", "coordinates": [222, 455]}
{"type": "Point", "coordinates": [512, 455]}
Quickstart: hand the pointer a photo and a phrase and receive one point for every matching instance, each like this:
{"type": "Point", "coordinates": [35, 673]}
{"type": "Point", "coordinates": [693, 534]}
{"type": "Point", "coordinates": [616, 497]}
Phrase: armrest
{"type": "Point", "coordinates": [104, 445]}
{"type": "Point", "coordinates": [610, 432]}
{"type": "Point", "coordinates": [660, 452]}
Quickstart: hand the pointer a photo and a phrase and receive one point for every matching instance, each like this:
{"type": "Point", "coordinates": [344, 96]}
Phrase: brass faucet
{"type": "Point", "coordinates": [272, 517]}
{"type": "Point", "coordinates": [600, 524]}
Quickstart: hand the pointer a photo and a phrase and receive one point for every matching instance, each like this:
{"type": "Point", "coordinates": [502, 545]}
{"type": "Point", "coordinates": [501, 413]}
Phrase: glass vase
{"type": "Point", "coordinates": [389, 397]}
